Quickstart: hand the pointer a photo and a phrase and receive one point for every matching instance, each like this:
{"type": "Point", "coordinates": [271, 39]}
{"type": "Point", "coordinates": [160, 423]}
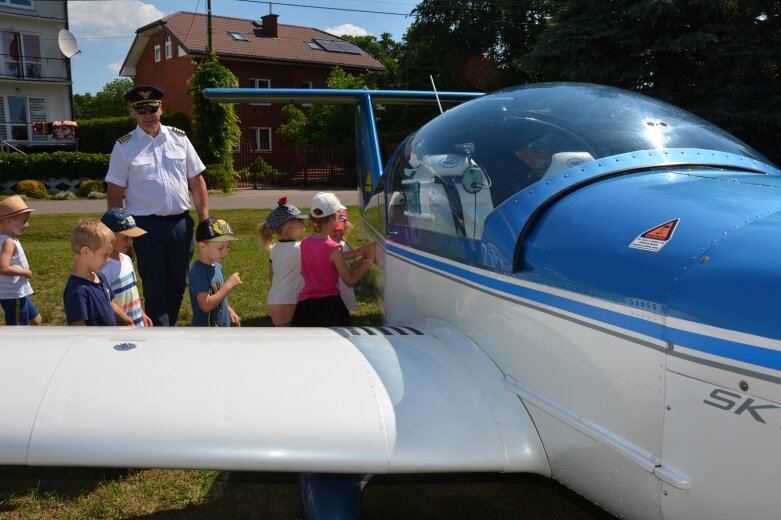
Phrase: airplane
{"type": "Point", "coordinates": [577, 281]}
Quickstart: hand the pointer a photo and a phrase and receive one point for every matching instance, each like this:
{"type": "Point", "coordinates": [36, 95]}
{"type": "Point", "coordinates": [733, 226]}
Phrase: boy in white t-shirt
{"type": "Point", "coordinates": [119, 268]}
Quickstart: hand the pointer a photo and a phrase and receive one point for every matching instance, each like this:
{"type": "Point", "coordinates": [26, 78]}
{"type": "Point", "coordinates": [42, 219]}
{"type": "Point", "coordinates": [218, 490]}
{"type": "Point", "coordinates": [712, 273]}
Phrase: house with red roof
{"type": "Point", "coordinates": [262, 54]}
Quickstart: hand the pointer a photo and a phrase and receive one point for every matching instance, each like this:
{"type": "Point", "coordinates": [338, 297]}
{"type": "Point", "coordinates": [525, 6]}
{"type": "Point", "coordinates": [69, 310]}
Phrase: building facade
{"type": "Point", "coordinates": [36, 93]}
{"type": "Point", "coordinates": [261, 53]}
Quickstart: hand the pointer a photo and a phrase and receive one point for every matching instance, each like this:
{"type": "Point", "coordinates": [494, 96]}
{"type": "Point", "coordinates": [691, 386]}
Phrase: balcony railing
{"type": "Point", "coordinates": [43, 69]}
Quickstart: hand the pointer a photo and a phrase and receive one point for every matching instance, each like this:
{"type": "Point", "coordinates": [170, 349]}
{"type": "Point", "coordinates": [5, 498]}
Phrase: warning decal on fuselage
{"type": "Point", "coordinates": [655, 238]}
{"type": "Point", "coordinates": [368, 184]}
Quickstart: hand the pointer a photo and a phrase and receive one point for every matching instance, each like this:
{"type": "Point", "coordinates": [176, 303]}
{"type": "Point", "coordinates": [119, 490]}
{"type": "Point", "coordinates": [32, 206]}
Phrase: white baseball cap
{"type": "Point", "coordinates": [325, 204]}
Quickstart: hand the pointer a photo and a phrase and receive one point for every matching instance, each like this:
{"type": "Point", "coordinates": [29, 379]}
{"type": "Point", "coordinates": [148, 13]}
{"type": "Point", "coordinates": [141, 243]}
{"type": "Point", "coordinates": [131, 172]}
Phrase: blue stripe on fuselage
{"type": "Point", "coordinates": [745, 353]}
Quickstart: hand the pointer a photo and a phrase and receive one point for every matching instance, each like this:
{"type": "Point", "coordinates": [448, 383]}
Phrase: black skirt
{"type": "Point", "coordinates": [328, 311]}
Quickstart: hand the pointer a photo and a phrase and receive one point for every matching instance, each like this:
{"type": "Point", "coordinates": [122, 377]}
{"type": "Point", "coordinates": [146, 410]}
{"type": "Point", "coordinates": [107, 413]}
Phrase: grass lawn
{"type": "Point", "coordinates": [89, 493]}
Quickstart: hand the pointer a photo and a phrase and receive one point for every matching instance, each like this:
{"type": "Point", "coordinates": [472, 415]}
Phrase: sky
{"type": "Point", "coordinates": [104, 29]}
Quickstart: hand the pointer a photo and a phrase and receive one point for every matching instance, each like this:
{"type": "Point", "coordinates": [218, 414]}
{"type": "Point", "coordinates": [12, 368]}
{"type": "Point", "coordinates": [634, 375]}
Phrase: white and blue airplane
{"type": "Point", "coordinates": [577, 281]}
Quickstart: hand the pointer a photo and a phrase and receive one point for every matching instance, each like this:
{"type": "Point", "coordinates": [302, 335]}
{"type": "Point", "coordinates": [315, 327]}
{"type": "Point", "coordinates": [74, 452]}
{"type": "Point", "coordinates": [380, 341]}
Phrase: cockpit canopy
{"type": "Point", "coordinates": [520, 135]}
{"type": "Point", "coordinates": [458, 169]}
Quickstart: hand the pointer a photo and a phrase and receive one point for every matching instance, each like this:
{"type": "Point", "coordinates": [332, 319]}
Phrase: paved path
{"type": "Point", "coordinates": [239, 199]}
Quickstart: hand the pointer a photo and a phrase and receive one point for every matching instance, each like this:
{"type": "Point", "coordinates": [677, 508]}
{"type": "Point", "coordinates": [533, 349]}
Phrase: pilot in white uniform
{"type": "Point", "coordinates": [153, 168]}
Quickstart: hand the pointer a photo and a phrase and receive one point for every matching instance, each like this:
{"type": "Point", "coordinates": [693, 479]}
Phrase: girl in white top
{"type": "Point", "coordinates": [340, 232]}
{"type": "Point", "coordinates": [15, 273]}
{"type": "Point", "coordinates": [284, 270]}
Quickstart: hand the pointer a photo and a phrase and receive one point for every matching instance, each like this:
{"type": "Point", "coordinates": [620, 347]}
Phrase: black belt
{"type": "Point", "coordinates": [165, 217]}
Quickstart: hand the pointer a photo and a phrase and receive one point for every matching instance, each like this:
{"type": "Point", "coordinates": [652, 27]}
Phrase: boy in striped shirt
{"type": "Point", "coordinates": [119, 268]}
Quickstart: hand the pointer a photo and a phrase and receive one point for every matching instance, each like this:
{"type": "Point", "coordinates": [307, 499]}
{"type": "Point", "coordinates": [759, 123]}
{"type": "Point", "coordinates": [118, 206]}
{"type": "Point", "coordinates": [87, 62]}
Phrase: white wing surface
{"type": "Point", "coordinates": [358, 400]}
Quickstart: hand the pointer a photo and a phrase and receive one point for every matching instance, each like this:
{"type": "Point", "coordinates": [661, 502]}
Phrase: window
{"type": "Point", "coordinates": [17, 3]}
{"type": "Point", "coordinates": [260, 83]}
{"type": "Point", "coordinates": [18, 116]}
{"type": "Point", "coordinates": [169, 48]}
{"type": "Point", "coordinates": [31, 56]}
{"type": "Point", "coordinates": [21, 55]}
{"type": "Point", "coordinates": [157, 50]}
{"type": "Point", "coordinates": [261, 139]}
{"type": "Point", "coordinates": [237, 36]}
{"type": "Point", "coordinates": [11, 54]}
{"type": "Point", "coordinates": [306, 84]}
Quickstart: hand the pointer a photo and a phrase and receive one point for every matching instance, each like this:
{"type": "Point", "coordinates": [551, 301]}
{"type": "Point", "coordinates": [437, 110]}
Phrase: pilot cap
{"type": "Point", "coordinates": [144, 94]}
{"type": "Point", "coordinates": [325, 204]}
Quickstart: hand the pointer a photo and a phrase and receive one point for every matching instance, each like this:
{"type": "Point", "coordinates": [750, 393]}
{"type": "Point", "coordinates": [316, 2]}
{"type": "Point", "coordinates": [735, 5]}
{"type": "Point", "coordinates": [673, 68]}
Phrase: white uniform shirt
{"type": "Point", "coordinates": [12, 287]}
{"type": "Point", "coordinates": [288, 282]}
{"type": "Point", "coordinates": [154, 171]}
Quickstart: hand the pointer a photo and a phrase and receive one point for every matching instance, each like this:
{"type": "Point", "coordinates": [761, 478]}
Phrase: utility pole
{"type": "Point", "coordinates": [209, 26]}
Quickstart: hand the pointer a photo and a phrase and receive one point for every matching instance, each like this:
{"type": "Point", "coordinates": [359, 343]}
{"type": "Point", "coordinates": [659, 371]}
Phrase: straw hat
{"type": "Point", "coordinates": [13, 205]}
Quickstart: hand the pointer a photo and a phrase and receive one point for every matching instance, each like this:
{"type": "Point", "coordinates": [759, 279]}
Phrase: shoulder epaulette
{"type": "Point", "coordinates": [124, 138]}
{"type": "Point", "coordinates": [178, 131]}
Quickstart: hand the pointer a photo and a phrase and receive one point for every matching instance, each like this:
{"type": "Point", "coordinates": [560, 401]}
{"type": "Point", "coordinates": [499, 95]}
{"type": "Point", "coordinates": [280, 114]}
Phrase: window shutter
{"type": "Point", "coordinates": [3, 128]}
{"type": "Point", "coordinates": [38, 113]}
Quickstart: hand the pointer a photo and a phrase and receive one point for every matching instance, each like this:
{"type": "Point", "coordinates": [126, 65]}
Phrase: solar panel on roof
{"type": "Point", "coordinates": [349, 47]}
{"type": "Point", "coordinates": [329, 45]}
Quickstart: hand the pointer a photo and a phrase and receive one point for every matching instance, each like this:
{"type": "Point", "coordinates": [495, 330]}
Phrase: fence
{"type": "Point", "coordinates": [312, 165]}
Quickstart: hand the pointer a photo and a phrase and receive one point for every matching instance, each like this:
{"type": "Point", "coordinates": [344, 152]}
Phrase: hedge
{"type": "Point", "coordinates": [68, 165]}
{"type": "Point", "coordinates": [99, 135]}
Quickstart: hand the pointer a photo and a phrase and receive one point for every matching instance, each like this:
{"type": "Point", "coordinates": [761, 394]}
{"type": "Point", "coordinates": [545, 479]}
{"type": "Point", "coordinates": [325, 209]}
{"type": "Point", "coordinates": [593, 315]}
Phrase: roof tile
{"type": "Point", "coordinates": [290, 45]}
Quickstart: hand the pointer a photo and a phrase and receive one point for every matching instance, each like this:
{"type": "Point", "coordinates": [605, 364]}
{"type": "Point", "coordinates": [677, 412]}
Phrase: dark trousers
{"type": "Point", "coordinates": [163, 256]}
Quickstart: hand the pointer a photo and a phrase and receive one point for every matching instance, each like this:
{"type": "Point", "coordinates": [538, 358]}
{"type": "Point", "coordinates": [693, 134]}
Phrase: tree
{"type": "Point", "coordinates": [324, 123]}
{"type": "Point", "coordinates": [469, 45]}
{"type": "Point", "coordinates": [387, 52]}
{"type": "Point", "coordinates": [720, 59]}
{"type": "Point", "coordinates": [216, 124]}
{"type": "Point", "coordinates": [109, 102]}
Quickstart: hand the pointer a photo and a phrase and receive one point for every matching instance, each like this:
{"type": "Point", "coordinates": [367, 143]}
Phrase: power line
{"type": "Point", "coordinates": [323, 7]}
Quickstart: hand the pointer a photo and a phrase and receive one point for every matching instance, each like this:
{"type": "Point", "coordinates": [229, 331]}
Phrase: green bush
{"type": "Point", "coordinates": [219, 177]}
{"type": "Point", "coordinates": [69, 165]}
{"type": "Point", "coordinates": [99, 135]}
{"type": "Point", "coordinates": [265, 173]}
{"type": "Point", "coordinates": [88, 186]}
{"type": "Point", "coordinates": [32, 188]}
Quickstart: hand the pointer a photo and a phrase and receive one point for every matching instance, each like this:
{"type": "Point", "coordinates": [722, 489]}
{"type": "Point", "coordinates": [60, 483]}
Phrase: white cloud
{"type": "Point", "coordinates": [347, 28]}
{"type": "Point", "coordinates": [113, 68]}
{"type": "Point", "coordinates": [111, 18]}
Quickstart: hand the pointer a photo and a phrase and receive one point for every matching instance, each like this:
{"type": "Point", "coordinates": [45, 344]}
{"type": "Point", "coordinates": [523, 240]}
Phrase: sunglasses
{"type": "Point", "coordinates": [143, 109]}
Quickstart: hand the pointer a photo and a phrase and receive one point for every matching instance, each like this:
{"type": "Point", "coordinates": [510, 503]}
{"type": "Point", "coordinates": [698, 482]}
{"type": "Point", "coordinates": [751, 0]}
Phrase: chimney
{"type": "Point", "coordinates": [269, 22]}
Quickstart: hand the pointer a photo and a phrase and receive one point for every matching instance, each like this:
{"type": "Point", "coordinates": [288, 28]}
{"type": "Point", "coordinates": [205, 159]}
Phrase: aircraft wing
{"type": "Point", "coordinates": [334, 96]}
{"type": "Point", "coordinates": [341, 400]}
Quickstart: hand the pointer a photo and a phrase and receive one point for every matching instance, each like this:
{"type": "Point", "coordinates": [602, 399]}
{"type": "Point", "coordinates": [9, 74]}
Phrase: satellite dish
{"type": "Point", "coordinates": [67, 43]}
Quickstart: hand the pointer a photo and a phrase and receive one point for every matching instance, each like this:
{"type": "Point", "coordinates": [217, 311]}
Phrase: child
{"type": "Point", "coordinates": [342, 229]}
{"type": "Point", "coordinates": [322, 264]}
{"type": "Point", "coordinates": [119, 269]}
{"type": "Point", "coordinates": [15, 273]}
{"type": "Point", "coordinates": [284, 268]}
{"type": "Point", "coordinates": [208, 287]}
{"type": "Point", "coordinates": [88, 295]}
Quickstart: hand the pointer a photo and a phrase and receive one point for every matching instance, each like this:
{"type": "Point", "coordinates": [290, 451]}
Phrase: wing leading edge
{"type": "Point", "coordinates": [381, 400]}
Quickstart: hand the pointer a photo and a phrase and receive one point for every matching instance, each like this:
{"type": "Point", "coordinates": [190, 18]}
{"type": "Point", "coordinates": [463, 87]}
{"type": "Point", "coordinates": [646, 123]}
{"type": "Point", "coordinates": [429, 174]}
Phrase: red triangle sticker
{"type": "Point", "coordinates": [663, 231]}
